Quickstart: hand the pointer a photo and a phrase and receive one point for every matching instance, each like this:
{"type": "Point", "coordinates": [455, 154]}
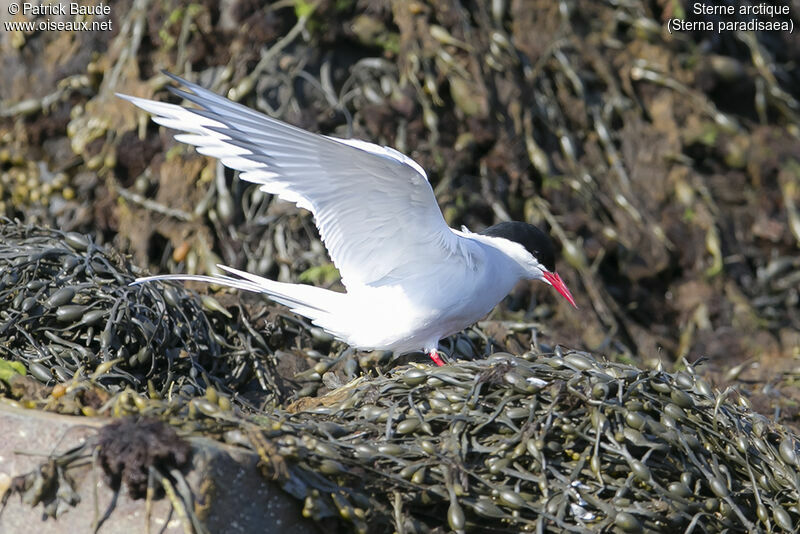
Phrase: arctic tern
{"type": "Point", "coordinates": [410, 279]}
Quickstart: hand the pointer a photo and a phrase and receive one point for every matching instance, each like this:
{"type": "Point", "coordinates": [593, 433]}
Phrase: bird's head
{"type": "Point", "coordinates": [533, 250]}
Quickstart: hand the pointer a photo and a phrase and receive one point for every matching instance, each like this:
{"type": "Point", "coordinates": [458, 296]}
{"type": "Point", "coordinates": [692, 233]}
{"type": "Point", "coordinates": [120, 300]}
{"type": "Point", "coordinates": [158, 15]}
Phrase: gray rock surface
{"type": "Point", "coordinates": [222, 478]}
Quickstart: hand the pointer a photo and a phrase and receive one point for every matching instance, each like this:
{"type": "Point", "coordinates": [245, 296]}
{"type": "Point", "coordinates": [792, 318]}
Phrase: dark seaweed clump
{"type": "Point", "coordinates": [67, 310]}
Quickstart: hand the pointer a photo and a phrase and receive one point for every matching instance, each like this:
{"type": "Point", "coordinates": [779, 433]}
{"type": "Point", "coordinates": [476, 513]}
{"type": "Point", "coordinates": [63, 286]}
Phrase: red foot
{"type": "Point", "coordinates": [436, 358]}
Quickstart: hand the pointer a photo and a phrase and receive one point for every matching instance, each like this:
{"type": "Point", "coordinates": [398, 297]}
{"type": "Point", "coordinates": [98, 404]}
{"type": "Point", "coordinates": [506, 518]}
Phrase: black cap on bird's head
{"type": "Point", "coordinates": [534, 240]}
{"type": "Point", "coordinates": [539, 245]}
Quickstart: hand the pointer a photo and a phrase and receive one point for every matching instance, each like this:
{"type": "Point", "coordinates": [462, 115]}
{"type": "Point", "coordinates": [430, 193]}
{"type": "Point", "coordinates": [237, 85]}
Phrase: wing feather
{"type": "Point", "coordinates": [373, 206]}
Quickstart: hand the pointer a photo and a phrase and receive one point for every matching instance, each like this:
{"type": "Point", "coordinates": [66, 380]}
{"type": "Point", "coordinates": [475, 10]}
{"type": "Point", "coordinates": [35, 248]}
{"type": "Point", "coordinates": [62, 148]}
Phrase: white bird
{"type": "Point", "coordinates": [410, 279]}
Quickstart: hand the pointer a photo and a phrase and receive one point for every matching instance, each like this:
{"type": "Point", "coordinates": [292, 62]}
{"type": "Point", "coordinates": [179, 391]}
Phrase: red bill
{"type": "Point", "coordinates": [558, 283]}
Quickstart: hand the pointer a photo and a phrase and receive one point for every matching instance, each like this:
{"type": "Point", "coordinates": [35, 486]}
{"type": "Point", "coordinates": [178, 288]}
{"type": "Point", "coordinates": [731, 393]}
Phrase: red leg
{"type": "Point", "coordinates": [436, 358]}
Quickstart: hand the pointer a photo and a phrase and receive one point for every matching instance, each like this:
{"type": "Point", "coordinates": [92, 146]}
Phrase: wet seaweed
{"type": "Point", "coordinates": [546, 442]}
{"type": "Point", "coordinates": [666, 166]}
{"type": "Point", "coordinates": [68, 311]}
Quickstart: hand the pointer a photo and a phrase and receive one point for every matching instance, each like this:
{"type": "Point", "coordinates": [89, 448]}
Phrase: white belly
{"type": "Point", "coordinates": [394, 318]}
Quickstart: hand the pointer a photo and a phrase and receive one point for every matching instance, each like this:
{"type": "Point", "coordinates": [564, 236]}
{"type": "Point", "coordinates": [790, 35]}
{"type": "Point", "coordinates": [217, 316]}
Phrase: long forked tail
{"type": "Point", "coordinates": [315, 303]}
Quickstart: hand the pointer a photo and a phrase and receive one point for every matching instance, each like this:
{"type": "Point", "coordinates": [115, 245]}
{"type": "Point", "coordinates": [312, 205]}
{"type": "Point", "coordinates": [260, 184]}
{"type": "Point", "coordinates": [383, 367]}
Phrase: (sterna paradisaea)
{"type": "Point", "coordinates": [410, 279]}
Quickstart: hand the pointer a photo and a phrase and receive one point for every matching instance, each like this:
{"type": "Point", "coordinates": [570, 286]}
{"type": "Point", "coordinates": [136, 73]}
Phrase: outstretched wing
{"type": "Point", "coordinates": [373, 206]}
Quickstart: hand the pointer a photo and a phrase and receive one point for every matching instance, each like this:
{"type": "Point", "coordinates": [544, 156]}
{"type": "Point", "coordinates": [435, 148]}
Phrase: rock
{"type": "Point", "coordinates": [229, 493]}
